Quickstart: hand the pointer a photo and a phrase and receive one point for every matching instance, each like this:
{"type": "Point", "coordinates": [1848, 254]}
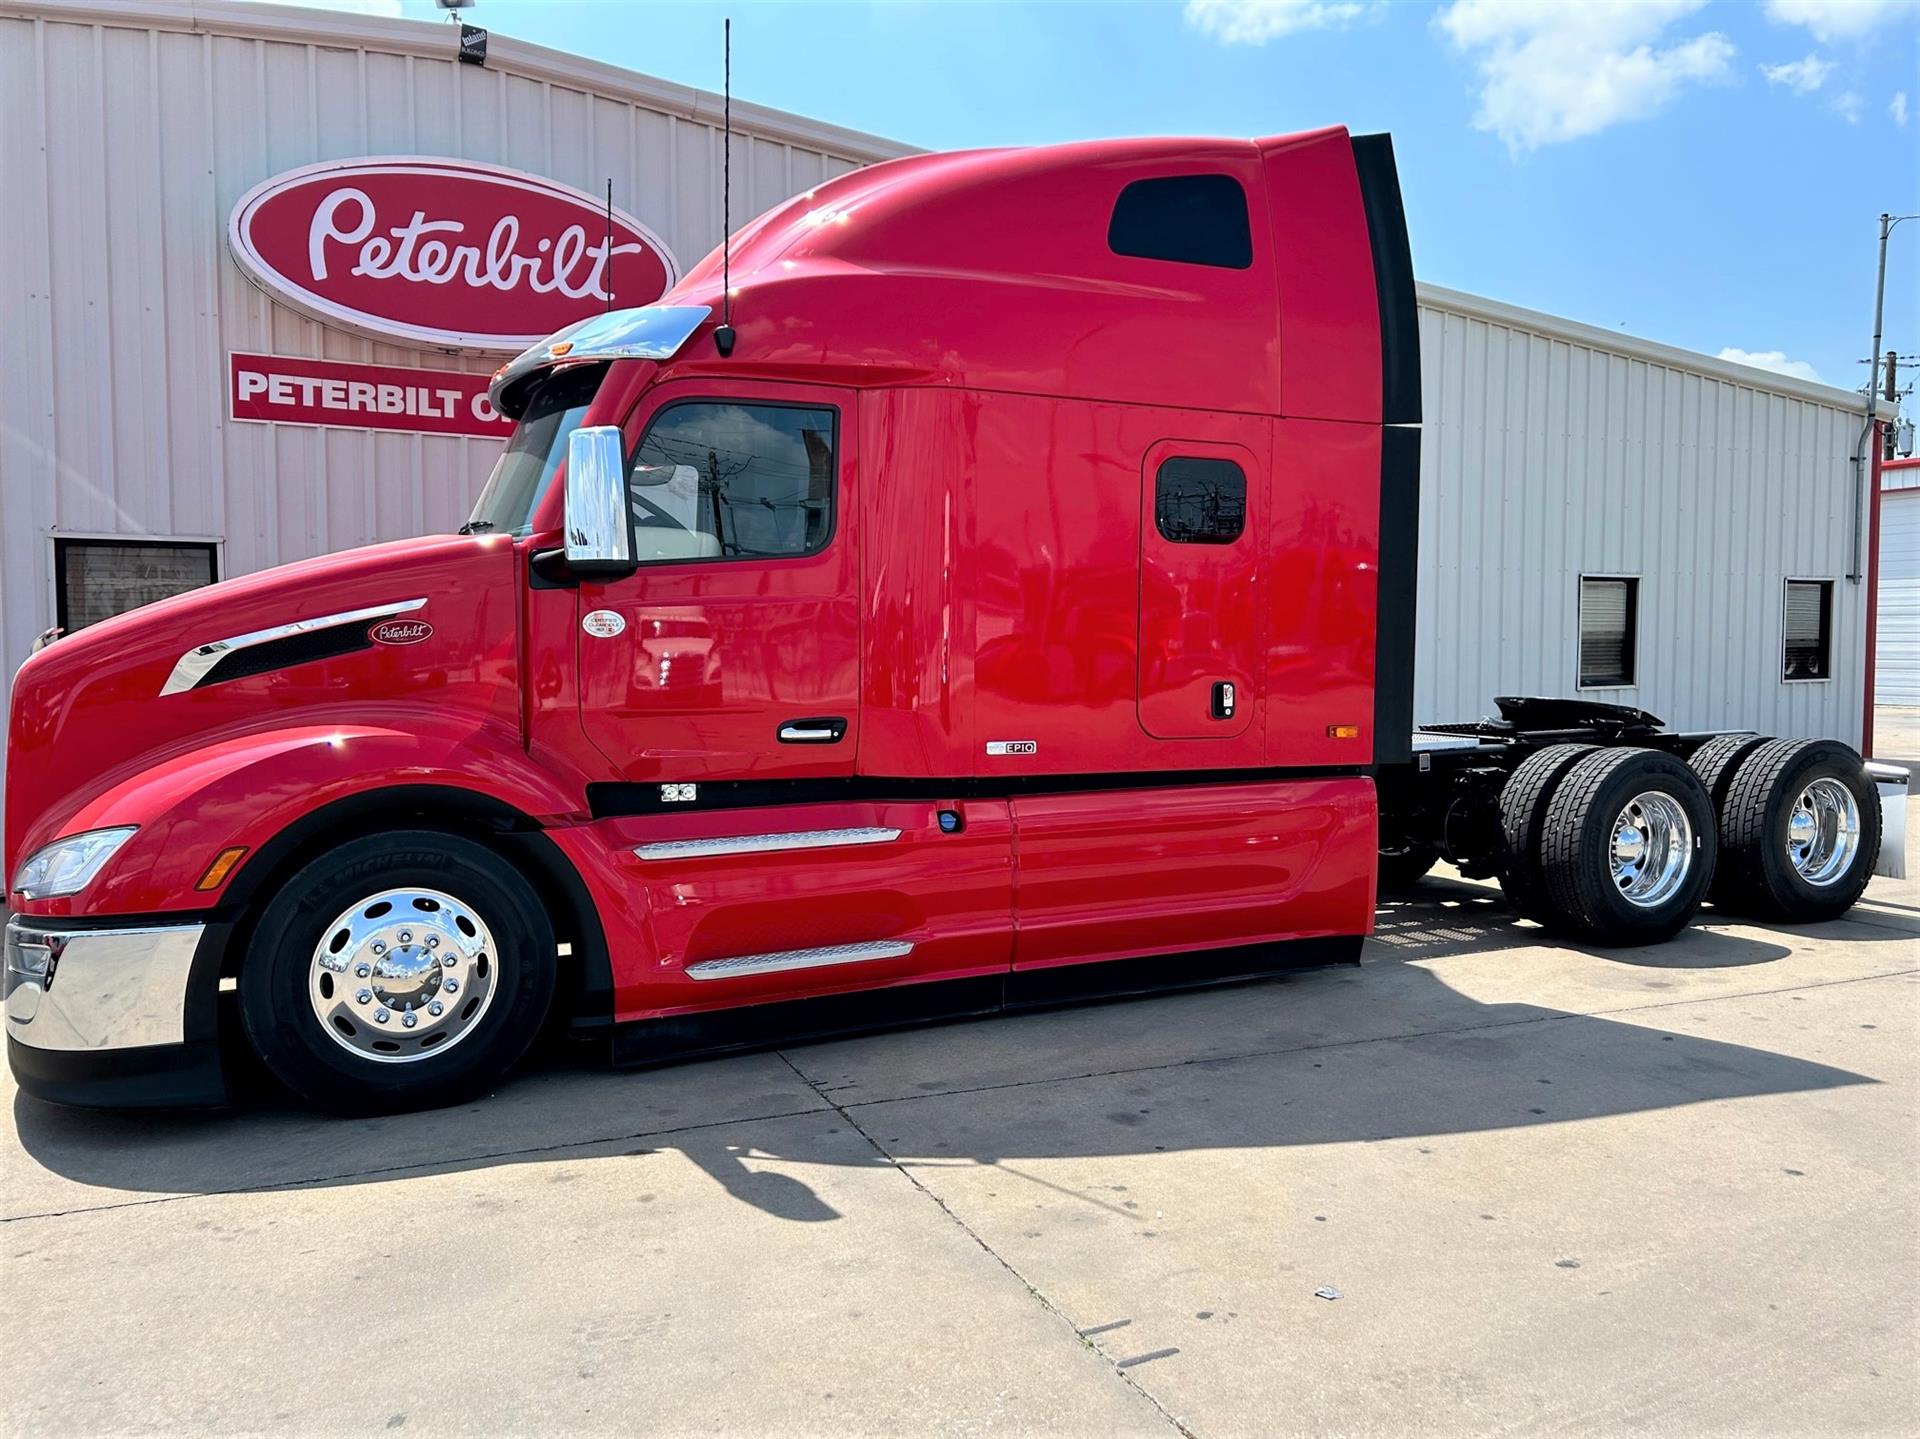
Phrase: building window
{"type": "Point", "coordinates": [96, 579]}
{"type": "Point", "coordinates": [721, 480]}
{"type": "Point", "coordinates": [1609, 617]}
{"type": "Point", "coordinates": [1200, 502]}
{"type": "Point", "coordinates": [1807, 634]}
{"type": "Point", "coordinates": [1194, 219]}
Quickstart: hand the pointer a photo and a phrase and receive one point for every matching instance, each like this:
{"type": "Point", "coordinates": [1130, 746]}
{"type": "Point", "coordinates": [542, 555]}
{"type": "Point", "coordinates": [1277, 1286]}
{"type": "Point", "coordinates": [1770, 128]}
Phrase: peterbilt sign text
{"type": "Point", "coordinates": [280, 389]}
{"type": "Point", "coordinates": [443, 253]}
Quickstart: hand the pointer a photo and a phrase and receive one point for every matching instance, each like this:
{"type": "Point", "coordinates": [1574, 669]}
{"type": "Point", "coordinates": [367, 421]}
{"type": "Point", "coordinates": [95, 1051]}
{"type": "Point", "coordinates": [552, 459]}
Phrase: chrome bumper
{"type": "Point", "coordinates": [98, 989]}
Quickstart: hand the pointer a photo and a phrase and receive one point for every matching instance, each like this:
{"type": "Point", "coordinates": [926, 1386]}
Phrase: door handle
{"type": "Point", "coordinates": [821, 729]}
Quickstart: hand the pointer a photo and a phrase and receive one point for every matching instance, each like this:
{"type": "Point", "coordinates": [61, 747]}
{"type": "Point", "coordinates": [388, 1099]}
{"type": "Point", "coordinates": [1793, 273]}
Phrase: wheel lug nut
{"type": "Point", "coordinates": [405, 936]}
{"type": "Point", "coordinates": [363, 970]}
{"type": "Point", "coordinates": [433, 941]}
{"type": "Point", "coordinates": [409, 1019]}
{"type": "Point", "coordinates": [449, 959]}
{"type": "Point", "coordinates": [379, 947]}
{"type": "Point", "coordinates": [365, 996]}
{"type": "Point", "coordinates": [380, 1016]}
{"type": "Point", "coordinates": [436, 1007]}
{"type": "Point", "coordinates": [451, 986]}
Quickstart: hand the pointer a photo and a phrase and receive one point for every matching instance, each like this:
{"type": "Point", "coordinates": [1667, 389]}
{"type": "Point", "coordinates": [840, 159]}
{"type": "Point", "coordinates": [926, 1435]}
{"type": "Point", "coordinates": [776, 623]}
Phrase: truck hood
{"type": "Point", "coordinates": [369, 633]}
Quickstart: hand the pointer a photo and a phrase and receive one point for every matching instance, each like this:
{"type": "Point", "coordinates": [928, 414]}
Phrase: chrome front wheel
{"type": "Point", "coordinates": [398, 971]}
{"type": "Point", "coordinates": [402, 975]}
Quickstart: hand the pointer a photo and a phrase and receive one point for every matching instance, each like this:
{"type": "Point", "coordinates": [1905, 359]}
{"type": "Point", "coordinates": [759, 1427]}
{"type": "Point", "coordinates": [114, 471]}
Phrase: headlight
{"type": "Point", "coordinates": [68, 865]}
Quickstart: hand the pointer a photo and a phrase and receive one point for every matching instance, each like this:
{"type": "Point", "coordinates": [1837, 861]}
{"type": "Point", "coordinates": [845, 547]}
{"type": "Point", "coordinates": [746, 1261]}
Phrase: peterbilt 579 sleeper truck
{"type": "Point", "coordinates": [1004, 591]}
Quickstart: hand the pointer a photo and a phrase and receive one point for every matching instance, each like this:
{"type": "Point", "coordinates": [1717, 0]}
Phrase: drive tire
{"type": "Point", "coordinates": [512, 955]}
{"type": "Point", "coordinates": [1758, 874]}
{"type": "Point", "coordinates": [1523, 819]}
{"type": "Point", "coordinates": [1716, 762]}
{"type": "Point", "coordinates": [1595, 802]}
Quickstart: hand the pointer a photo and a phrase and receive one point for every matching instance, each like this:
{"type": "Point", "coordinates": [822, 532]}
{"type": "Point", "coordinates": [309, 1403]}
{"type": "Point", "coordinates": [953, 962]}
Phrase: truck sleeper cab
{"type": "Point", "coordinates": [962, 628]}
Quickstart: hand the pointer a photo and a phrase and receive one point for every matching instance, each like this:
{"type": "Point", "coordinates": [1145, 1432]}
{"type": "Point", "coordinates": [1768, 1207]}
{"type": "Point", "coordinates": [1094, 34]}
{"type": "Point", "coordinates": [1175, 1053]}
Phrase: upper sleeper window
{"type": "Point", "coordinates": [1194, 219]}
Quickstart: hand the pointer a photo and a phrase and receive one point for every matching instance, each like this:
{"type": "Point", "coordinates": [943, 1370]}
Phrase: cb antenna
{"type": "Point", "coordinates": [609, 259]}
{"type": "Point", "coordinates": [723, 336]}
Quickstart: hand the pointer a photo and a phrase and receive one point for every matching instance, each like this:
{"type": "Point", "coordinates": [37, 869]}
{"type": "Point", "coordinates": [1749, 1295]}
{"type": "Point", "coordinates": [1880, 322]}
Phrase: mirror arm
{"type": "Point", "coordinates": [550, 569]}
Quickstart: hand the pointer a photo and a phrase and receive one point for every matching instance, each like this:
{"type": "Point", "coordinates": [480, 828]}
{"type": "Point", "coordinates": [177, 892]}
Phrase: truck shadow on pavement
{"type": "Point", "coordinates": [1383, 1050]}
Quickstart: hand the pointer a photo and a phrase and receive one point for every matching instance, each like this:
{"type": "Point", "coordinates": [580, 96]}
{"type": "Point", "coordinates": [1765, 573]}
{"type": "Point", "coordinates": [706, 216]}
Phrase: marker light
{"type": "Point", "coordinates": [1343, 731]}
{"type": "Point", "coordinates": [68, 865]}
{"type": "Point", "coordinates": [221, 867]}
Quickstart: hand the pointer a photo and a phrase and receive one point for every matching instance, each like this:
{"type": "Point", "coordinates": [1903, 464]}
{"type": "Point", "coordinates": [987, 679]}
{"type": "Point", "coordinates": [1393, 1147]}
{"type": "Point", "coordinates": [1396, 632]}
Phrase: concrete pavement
{"type": "Point", "coordinates": [1669, 1190]}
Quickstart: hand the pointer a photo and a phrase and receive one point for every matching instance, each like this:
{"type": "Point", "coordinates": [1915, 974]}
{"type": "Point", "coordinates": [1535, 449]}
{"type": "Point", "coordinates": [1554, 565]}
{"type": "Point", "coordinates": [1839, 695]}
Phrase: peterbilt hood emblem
{"type": "Point", "coordinates": [400, 632]}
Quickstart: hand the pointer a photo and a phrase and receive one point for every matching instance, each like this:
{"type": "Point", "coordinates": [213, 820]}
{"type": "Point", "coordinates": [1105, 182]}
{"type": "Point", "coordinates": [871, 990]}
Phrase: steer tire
{"type": "Point", "coordinates": [1758, 875]}
{"type": "Point", "coordinates": [492, 941]}
{"type": "Point", "coordinates": [1523, 816]}
{"type": "Point", "coordinates": [1578, 846]}
{"type": "Point", "coordinates": [1716, 762]}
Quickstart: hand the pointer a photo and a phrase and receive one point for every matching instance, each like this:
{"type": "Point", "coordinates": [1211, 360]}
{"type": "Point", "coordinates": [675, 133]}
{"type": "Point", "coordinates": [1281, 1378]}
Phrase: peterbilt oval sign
{"type": "Point", "coordinates": [442, 253]}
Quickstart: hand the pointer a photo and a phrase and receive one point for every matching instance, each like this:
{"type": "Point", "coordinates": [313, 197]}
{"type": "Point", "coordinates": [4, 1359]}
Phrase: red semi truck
{"type": "Point", "coordinates": [1004, 591]}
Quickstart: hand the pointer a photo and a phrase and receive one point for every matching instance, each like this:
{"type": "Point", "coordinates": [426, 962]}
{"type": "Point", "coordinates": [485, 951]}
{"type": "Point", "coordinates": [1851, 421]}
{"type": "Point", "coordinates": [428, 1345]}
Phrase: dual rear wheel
{"type": "Point", "coordinates": [1621, 846]}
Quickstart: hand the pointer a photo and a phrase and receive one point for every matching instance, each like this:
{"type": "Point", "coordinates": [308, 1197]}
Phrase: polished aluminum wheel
{"type": "Point", "coordinates": [1823, 832]}
{"type": "Point", "coordinates": [403, 975]}
{"type": "Point", "coordinates": [1652, 849]}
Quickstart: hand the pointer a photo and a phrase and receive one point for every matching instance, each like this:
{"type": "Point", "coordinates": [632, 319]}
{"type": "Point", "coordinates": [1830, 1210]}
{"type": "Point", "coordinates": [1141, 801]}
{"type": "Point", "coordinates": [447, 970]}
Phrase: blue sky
{"type": "Point", "coordinates": [1704, 172]}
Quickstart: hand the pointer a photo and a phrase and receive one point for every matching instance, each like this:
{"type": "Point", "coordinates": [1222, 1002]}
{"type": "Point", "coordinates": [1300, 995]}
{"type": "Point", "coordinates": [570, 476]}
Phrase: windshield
{"type": "Point", "coordinates": [539, 443]}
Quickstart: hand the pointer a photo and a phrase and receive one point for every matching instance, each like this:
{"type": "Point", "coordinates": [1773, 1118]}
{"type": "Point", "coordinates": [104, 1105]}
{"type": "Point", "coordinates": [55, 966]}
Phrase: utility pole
{"type": "Point", "coordinates": [1861, 472]}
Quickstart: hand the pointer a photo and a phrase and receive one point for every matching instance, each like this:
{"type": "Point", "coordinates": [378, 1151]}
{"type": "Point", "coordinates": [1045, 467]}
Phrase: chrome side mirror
{"type": "Point", "coordinates": [599, 521]}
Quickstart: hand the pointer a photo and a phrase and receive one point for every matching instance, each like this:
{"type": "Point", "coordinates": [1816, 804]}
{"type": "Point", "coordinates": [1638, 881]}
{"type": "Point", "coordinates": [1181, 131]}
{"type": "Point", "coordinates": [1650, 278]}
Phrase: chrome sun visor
{"type": "Point", "coordinates": [650, 332]}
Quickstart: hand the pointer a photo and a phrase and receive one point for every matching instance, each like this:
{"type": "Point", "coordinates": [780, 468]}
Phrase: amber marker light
{"type": "Point", "coordinates": [1343, 731]}
{"type": "Point", "coordinates": [221, 867]}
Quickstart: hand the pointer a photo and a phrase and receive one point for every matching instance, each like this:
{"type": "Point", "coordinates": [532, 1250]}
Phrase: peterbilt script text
{"type": "Point", "coordinates": [403, 253]}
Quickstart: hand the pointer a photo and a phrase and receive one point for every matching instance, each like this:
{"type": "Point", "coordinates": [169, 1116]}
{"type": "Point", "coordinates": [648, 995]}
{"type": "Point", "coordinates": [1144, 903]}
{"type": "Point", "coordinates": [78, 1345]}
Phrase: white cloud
{"type": "Point", "coordinates": [1849, 106]}
{"type": "Point", "coordinates": [1802, 77]}
{"type": "Point", "coordinates": [1553, 70]}
{"type": "Point", "coordinates": [1254, 22]}
{"type": "Point", "coordinates": [1831, 20]}
{"type": "Point", "coordinates": [1898, 108]}
{"type": "Point", "coordinates": [1775, 360]}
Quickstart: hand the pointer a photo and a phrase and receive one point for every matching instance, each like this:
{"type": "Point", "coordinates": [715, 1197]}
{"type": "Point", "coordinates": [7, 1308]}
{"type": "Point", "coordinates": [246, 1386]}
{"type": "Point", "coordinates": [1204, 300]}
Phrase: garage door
{"type": "Point", "coordinates": [1896, 654]}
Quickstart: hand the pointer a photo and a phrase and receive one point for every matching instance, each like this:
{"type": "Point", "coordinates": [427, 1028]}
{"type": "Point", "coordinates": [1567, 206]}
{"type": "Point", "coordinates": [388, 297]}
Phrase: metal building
{"type": "Point", "coordinates": [1675, 531]}
{"type": "Point", "coordinates": [1896, 667]}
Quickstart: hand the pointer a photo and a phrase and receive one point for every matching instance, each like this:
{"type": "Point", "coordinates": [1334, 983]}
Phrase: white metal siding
{"type": "Point", "coordinates": [130, 132]}
{"type": "Point", "coordinates": [1896, 650]}
{"type": "Point", "coordinates": [1552, 450]}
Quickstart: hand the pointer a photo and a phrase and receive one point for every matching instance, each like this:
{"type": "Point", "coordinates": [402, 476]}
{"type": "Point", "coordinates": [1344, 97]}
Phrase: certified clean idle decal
{"type": "Point", "coordinates": [603, 624]}
{"type": "Point", "coordinates": [400, 632]}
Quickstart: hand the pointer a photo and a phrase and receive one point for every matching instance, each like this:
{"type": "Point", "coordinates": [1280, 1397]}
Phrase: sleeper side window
{"type": "Point", "coordinates": [733, 480]}
{"type": "Point", "coordinates": [1191, 219]}
{"type": "Point", "coordinates": [1199, 502]}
